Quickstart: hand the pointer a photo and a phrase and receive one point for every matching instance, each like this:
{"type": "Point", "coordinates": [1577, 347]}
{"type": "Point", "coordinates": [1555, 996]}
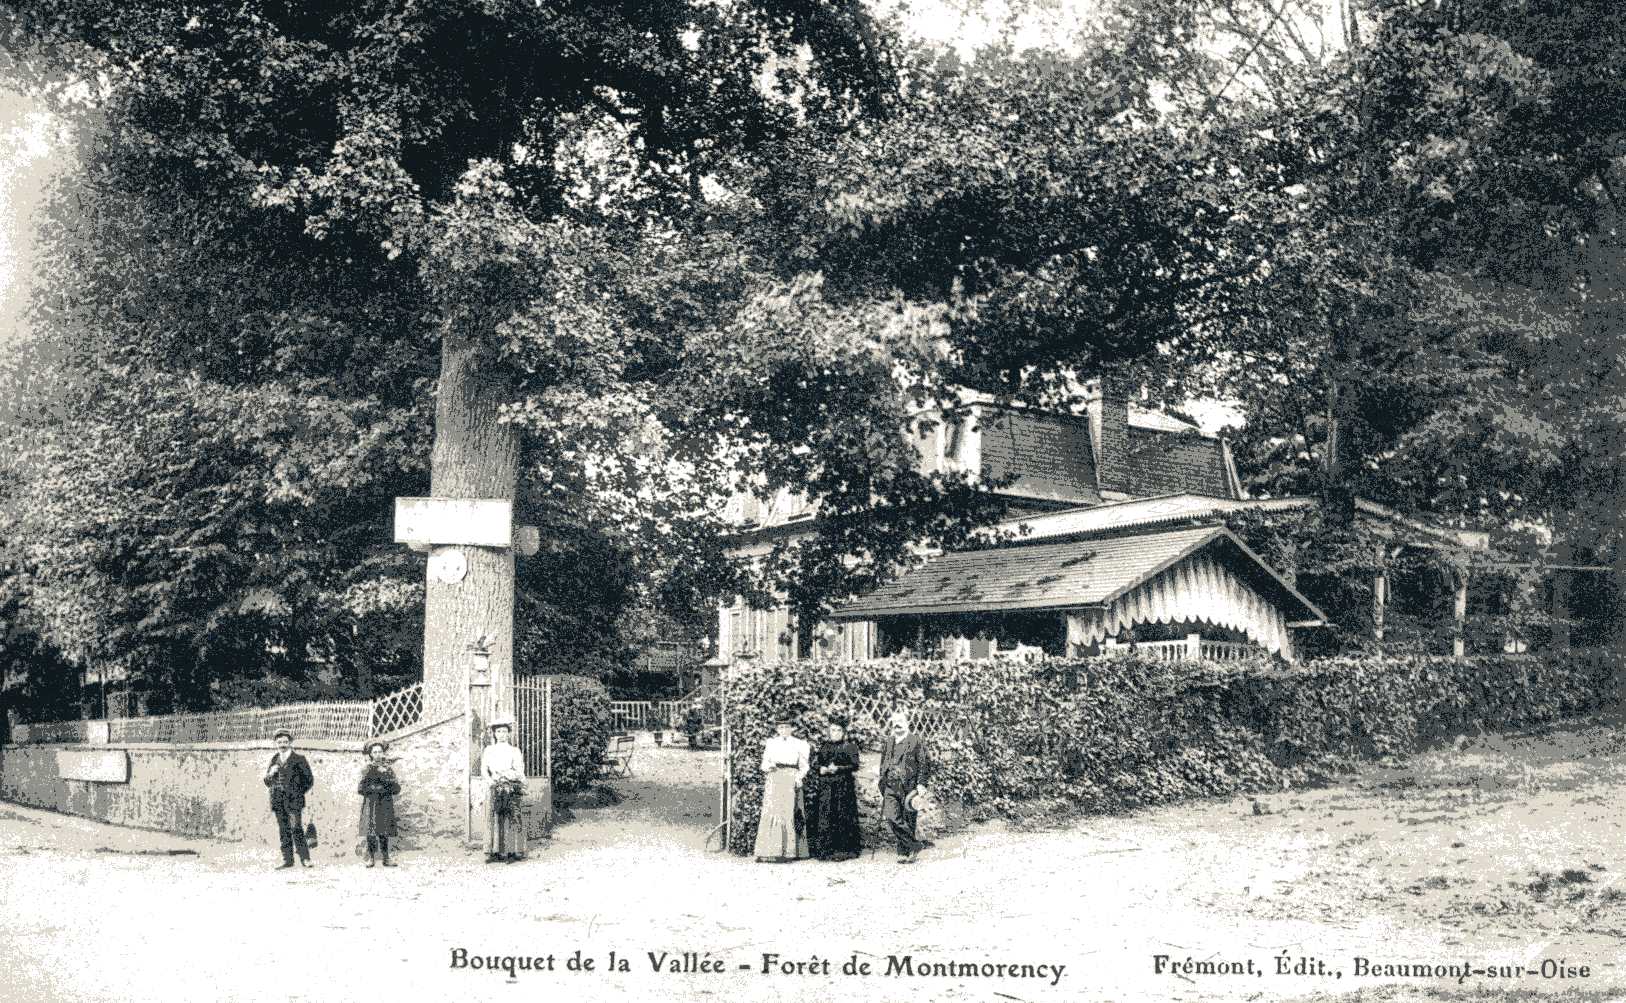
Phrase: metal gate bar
{"type": "Point", "coordinates": [533, 724]}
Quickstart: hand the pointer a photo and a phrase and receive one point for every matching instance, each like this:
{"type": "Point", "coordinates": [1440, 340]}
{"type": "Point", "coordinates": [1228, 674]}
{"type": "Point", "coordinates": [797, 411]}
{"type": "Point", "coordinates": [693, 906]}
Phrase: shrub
{"type": "Point", "coordinates": [1111, 735]}
{"type": "Point", "coordinates": [581, 729]}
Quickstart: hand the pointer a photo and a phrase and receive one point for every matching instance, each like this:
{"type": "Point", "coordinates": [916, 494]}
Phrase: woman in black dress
{"type": "Point", "coordinates": [833, 830]}
{"type": "Point", "coordinates": [378, 788]}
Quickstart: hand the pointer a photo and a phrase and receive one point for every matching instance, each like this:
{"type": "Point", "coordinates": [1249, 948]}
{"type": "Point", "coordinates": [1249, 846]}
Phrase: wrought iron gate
{"type": "Point", "coordinates": [529, 701]}
{"type": "Point", "coordinates": [533, 724]}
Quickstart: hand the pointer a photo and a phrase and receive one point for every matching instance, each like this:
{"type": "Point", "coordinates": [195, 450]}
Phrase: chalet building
{"type": "Point", "coordinates": [1113, 537]}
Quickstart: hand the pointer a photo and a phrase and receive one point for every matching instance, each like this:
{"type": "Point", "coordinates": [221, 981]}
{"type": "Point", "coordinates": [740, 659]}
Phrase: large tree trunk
{"type": "Point", "coordinates": [474, 457]}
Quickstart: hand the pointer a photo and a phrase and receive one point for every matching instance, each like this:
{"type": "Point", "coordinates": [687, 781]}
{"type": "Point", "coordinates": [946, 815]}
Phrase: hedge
{"type": "Point", "coordinates": [581, 729]}
{"type": "Point", "coordinates": [1112, 735]}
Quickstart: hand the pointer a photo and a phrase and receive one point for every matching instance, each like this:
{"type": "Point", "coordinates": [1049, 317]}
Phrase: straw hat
{"type": "Point", "coordinates": [377, 743]}
{"type": "Point", "coordinates": [501, 721]}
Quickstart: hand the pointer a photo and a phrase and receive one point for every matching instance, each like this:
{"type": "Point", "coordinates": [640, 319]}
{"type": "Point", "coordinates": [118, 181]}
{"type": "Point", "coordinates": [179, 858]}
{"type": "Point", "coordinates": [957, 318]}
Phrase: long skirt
{"type": "Point", "coordinates": [378, 815]}
{"type": "Point", "coordinates": [777, 838]}
{"type": "Point", "coordinates": [505, 833]}
{"type": "Point", "coordinates": [834, 824]}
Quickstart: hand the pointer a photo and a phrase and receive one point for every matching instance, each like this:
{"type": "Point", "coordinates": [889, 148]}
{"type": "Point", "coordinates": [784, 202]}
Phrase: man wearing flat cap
{"type": "Point", "coordinates": [902, 772]}
{"type": "Point", "coordinates": [289, 777]}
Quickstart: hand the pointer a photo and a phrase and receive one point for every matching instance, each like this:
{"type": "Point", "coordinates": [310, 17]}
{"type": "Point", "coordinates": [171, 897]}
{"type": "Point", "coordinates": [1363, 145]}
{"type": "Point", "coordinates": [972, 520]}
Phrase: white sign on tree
{"type": "Point", "coordinates": [469, 522]}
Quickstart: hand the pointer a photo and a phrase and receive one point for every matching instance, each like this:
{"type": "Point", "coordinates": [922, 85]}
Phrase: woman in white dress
{"type": "Point", "coordinates": [785, 762]}
{"type": "Point", "coordinates": [503, 766]}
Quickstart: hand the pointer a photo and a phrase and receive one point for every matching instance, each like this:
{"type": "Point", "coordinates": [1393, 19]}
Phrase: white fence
{"type": "Point", "coordinates": [329, 721]}
{"type": "Point", "coordinates": [1189, 648]}
{"type": "Point", "coordinates": [633, 715]}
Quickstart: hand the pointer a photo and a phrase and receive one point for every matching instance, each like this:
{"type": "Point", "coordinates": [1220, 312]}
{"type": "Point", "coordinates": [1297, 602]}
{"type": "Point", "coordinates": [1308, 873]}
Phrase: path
{"type": "Point", "coordinates": [671, 797]}
{"type": "Point", "coordinates": [1503, 853]}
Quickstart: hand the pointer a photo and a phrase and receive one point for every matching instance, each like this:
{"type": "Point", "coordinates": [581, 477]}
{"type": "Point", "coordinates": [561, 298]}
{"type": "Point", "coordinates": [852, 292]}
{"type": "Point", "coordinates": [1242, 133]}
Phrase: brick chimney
{"type": "Point", "coordinates": [1107, 404]}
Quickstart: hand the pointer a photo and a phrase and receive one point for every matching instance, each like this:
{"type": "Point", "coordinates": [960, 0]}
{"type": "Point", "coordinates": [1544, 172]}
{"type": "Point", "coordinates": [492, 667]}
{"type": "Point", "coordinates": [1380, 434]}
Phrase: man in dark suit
{"type": "Point", "coordinates": [902, 772]}
{"type": "Point", "coordinates": [289, 777]}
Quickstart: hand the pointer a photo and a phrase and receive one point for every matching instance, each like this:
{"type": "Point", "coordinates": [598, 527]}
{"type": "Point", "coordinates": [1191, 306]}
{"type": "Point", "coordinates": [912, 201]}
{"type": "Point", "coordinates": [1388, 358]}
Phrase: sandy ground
{"type": "Point", "coordinates": [1504, 852]}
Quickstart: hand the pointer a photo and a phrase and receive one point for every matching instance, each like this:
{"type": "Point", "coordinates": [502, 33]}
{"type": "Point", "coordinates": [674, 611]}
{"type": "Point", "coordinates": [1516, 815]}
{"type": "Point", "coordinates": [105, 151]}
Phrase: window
{"type": "Point", "coordinates": [953, 435]}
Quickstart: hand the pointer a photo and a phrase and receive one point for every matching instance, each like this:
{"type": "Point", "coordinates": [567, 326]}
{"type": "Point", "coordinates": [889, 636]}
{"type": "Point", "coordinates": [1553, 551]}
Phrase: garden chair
{"type": "Point", "coordinates": [617, 761]}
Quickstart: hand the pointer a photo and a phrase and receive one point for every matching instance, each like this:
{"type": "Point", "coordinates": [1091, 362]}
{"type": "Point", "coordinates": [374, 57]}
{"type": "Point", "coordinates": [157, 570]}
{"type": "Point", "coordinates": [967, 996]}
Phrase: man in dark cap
{"type": "Point", "coordinates": [289, 777]}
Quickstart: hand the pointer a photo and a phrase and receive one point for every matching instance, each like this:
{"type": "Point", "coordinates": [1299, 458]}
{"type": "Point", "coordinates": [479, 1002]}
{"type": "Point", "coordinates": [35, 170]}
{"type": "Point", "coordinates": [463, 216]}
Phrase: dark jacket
{"type": "Point", "coordinates": [378, 788]}
{"type": "Point", "coordinates": [289, 782]}
{"type": "Point", "coordinates": [902, 764]}
{"type": "Point", "coordinates": [832, 829]}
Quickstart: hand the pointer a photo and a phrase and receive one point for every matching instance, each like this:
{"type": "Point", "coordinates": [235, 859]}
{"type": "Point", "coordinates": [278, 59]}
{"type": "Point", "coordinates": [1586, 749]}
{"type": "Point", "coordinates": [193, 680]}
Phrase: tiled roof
{"type": "Point", "coordinates": [1161, 463]}
{"type": "Point", "coordinates": [1118, 517]}
{"type": "Point", "coordinates": [1179, 510]}
{"type": "Point", "coordinates": [1048, 576]}
{"type": "Point", "coordinates": [1048, 456]}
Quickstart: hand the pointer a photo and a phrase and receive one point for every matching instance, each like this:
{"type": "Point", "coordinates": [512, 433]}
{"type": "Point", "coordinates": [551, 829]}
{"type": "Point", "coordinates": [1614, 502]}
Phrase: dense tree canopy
{"type": "Point", "coordinates": [280, 214]}
{"type": "Point", "coordinates": [696, 248]}
{"type": "Point", "coordinates": [1456, 165]}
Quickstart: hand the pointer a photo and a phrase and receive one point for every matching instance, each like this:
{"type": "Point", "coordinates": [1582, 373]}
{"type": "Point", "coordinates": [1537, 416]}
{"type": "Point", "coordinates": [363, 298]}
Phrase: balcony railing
{"type": "Point", "coordinates": [1188, 648]}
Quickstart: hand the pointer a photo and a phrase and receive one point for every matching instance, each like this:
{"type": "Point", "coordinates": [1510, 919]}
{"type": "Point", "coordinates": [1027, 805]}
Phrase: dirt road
{"type": "Point", "coordinates": [1501, 854]}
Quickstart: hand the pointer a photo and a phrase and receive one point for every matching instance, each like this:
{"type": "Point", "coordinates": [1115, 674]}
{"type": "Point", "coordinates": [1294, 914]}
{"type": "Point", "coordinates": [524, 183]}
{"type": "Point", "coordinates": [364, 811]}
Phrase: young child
{"type": "Point", "coordinates": [378, 789]}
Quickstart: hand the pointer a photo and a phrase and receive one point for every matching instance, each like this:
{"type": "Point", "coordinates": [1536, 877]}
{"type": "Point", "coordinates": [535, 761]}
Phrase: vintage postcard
{"type": "Point", "coordinates": [829, 500]}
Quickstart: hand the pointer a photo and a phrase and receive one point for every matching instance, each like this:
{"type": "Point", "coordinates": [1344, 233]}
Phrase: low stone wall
{"type": "Point", "coordinates": [433, 767]}
{"type": "Point", "coordinates": [215, 789]}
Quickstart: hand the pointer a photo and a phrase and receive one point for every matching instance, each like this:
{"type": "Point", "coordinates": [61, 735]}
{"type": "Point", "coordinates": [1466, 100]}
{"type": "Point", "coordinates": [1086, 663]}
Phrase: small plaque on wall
{"type": "Point", "coordinates": [107, 766]}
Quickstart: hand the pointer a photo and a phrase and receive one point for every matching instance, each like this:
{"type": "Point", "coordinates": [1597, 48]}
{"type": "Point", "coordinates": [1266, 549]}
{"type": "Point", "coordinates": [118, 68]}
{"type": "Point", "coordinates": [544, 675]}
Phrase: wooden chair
{"type": "Point", "coordinates": [617, 761]}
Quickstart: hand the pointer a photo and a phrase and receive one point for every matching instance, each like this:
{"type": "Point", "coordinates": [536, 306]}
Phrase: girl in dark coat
{"type": "Point", "coordinates": [378, 789]}
{"type": "Point", "coordinates": [834, 828]}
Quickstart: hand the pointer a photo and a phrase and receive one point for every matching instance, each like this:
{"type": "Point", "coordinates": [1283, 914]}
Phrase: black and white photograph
{"type": "Point", "coordinates": [1052, 501]}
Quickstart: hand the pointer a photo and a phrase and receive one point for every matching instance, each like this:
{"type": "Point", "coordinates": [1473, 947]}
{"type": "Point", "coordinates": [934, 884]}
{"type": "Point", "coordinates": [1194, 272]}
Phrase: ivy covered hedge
{"type": "Point", "coordinates": [581, 729]}
{"type": "Point", "coordinates": [1109, 736]}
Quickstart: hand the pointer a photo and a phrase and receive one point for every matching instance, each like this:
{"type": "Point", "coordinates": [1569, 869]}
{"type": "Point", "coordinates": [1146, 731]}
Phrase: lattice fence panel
{"type": "Point", "coordinates": [330, 721]}
{"type": "Point", "coordinates": [335, 721]}
{"type": "Point", "coordinates": [870, 712]}
{"type": "Point", "coordinates": [399, 710]}
{"type": "Point", "coordinates": [417, 704]}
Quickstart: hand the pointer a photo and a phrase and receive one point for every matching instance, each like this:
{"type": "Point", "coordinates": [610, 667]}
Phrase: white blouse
{"type": "Point", "coordinates": [502, 762]}
{"type": "Point", "coordinates": [787, 751]}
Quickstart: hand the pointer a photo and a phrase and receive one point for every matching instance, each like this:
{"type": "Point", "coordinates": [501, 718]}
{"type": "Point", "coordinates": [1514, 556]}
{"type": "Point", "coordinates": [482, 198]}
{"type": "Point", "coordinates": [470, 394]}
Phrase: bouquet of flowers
{"type": "Point", "coordinates": [505, 796]}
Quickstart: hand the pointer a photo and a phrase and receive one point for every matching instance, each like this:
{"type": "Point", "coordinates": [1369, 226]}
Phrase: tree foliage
{"type": "Point", "coordinates": [1445, 328]}
{"type": "Point", "coordinates": [707, 248]}
{"type": "Point", "coordinates": [280, 211]}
